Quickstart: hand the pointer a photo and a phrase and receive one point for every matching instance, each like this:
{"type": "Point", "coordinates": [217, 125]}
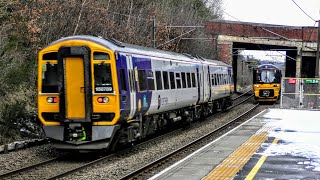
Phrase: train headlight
{"type": "Point", "coordinates": [103, 99]}
{"type": "Point", "coordinates": [256, 85]}
{"type": "Point", "coordinates": [50, 100]}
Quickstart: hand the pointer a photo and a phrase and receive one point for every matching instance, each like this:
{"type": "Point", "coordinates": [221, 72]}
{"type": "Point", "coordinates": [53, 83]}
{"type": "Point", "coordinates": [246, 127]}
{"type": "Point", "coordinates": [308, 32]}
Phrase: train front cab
{"type": "Point", "coordinates": [266, 83]}
{"type": "Point", "coordinates": [77, 100]}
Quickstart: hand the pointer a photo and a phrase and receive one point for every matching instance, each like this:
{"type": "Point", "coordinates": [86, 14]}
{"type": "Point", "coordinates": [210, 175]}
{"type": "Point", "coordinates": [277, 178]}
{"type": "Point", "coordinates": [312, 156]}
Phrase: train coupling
{"type": "Point", "coordinates": [76, 132]}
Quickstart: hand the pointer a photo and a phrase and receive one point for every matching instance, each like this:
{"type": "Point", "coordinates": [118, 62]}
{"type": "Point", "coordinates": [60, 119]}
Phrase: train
{"type": "Point", "coordinates": [266, 83]}
{"type": "Point", "coordinates": [98, 93]}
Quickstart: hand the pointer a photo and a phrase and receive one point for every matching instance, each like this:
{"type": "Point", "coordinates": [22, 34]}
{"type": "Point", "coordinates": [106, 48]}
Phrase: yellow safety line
{"type": "Point", "coordinates": [256, 168]}
{"type": "Point", "coordinates": [235, 162]}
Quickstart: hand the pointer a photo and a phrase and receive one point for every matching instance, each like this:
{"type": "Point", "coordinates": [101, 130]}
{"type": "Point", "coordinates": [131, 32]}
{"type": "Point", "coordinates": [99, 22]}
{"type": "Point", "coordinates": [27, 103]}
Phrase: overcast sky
{"type": "Point", "coordinates": [280, 12]}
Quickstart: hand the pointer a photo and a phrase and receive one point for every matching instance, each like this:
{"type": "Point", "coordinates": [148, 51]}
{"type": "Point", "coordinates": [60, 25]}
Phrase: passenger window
{"type": "Point", "coordinates": [178, 80]}
{"type": "Point", "coordinates": [183, 77]}
{"type": "Point", "coordinates": [150, 80]}
{"type": "Point", "coordinates": [142, 80]}
{"type": "Point", "coordinates": [189, 80]}
{"type": "Point", "coordinates": [101, 56]}
{"type": "Point", "coordinates": [226, 78]}
{"type": "Point", "coordinates": [193, 80]}
{"type": "Point", "coordinates": [172, 82]}
{"type": "Point", "coordinates": [158, 80]}
{"type": "Point", "coordinates": [49, 78]}
{"type": "Point", "coordinates": [165, 79]}
{"type": "Point", "coordinates": [123, 80]}
{"type": "Point", "coordinates": [212, 80]}
{"type": "Point", "coordinates": [217, 79]}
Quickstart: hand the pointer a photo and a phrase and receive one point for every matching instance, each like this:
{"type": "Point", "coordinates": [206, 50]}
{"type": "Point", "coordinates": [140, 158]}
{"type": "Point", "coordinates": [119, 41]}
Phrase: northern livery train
{"type": "Point", "coordinates": [266, 82]}
{"type": "Point", "coordinates": [96, 93]}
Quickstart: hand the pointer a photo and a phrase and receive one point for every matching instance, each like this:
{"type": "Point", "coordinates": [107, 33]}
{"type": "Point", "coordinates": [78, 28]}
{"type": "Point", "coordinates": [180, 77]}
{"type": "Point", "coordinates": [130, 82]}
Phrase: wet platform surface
{"type": "Point", "coordinates": [275, 144]}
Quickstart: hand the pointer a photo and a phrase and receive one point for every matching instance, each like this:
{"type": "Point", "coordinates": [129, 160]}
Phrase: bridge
{"type": "Point", "coordinates": [299, 43]}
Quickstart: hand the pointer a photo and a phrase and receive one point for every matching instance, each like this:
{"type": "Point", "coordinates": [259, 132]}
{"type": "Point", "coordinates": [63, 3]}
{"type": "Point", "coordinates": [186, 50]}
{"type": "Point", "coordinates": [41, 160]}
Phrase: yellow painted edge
{"type": "Point", "coordinates": [256, 168]}
{"type": "Point", "coordinates": [227, 169]}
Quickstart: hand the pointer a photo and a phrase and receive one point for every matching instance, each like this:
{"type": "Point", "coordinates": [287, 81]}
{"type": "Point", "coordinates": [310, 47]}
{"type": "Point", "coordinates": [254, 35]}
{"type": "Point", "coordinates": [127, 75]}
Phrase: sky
{"type": "Point", "coordinates": [279, 12]}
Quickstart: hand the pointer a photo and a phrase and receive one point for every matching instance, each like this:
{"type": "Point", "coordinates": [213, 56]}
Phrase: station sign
{"type": "Point", "coordinates": [292, 81]}
{"type": "Point", "coordinates": [311, 81]}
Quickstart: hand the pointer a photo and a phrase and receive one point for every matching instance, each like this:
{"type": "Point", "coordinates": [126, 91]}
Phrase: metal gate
{"type": "Point", "coordinates": [302, 93]}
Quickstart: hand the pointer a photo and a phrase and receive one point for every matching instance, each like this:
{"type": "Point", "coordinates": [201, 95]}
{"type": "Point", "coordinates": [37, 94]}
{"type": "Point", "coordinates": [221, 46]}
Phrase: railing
{"type": "Point", "coordinates": [300, 93]}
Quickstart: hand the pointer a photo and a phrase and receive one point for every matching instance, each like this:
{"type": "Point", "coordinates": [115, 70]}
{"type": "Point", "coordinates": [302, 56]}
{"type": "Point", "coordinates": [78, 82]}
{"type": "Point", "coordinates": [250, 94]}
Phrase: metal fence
{"type": "Point", "coordinates": [302, 93]}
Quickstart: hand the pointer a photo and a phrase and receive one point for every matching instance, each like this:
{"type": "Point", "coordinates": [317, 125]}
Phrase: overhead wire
{"type": "Point", "coordinates": [303, 10]}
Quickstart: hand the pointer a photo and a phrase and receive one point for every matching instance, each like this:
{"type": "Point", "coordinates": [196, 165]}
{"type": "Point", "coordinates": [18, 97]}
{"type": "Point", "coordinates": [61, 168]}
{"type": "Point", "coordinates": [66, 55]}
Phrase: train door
{"type": "Point", "coordinates": [75, 84]}
{"type": "Point", "coordinates": [209, 83]}
{"type": "Point", "coordinates": [74, 87]}
{"type": "Point", "coordinates": [132, 87]}
{"type": "Point", "coordinates": [198, 82]}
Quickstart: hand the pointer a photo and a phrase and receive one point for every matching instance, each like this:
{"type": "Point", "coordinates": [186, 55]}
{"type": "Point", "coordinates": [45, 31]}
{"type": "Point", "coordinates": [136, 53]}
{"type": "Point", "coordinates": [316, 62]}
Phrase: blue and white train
{"type": "Point", "coordinates": [96, 93]}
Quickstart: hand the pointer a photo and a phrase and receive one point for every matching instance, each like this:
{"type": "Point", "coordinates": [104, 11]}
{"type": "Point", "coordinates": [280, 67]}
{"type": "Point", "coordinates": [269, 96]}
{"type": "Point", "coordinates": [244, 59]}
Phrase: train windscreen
{"type": "Point", "coordinates": [266, 76]}
{"type": "Point", "coordinates": [102, 78]}
{"type": "Point", "coordinates": [49, 78]}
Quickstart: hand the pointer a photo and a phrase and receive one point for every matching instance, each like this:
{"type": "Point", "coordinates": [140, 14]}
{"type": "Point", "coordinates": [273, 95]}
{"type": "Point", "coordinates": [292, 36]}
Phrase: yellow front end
{"type": "Point", "coordinates": [77, 100]}
{"type": "Point", "coordinates": [266, 92]}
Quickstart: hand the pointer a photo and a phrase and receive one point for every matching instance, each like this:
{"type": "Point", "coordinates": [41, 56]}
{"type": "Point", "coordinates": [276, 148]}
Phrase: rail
{"type": "Point", "coordinates": [136, 173]}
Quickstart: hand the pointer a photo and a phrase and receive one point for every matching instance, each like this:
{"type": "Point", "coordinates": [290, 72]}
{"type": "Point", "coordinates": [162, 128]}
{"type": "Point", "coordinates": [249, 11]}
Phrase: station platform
{"type": "Point", "coordinates": [274, 144]}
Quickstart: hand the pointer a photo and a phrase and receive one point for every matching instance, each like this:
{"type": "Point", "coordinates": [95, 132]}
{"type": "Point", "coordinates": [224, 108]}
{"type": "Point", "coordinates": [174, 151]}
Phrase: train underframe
{"type": "Point", "coordinates": [68, 135]}
{"type": "Point", "coordinates": [145, 126]}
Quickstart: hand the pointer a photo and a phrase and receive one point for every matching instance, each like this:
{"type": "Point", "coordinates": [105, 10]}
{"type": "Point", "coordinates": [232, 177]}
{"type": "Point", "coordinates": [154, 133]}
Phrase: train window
{"type": "Point", "coordinates": [150, 79]}
{"type": "Point", "coordinates": [142, 80]}
{"type": "Point", "coordinates": [101, 56]}
{"type": "Point", "coordinates": [165, 79]}
{"type": "Point", "coordinates": [123, 80]}
{"type": "Point", "coordinates": [217, 79]}
{"type": "Point", "coordinates": [50, 56]}
{"type": "Point", "coordinates": [172, 82]}
{"type": "Point", "coordinates": [49, 78]}
{"type": "Point", "coordinates": [103, 78]}
{"type": "Point", "coordinates": [158, 80]}
{"type": "Point", "coordinates": [178, 80]}
{"type": "Point", "coordinates": [223, 79]}
{"type": "Point", "coordinates": [183, 76]}
{"type": "Point", "coordinates": [189, 80]}
{"type": "Point", "coordinates": [193, 80]}
{"type": "Point", "coordinates": [212, 80]}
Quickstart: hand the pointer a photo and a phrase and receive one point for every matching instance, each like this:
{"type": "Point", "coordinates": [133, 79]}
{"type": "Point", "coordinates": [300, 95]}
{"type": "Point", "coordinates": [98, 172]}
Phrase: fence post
{"type": "Point", "coordinates": [300, 94]}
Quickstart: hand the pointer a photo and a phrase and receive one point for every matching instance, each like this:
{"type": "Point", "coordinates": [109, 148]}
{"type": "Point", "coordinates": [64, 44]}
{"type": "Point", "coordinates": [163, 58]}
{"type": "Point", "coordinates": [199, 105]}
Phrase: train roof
{"type": "Point", "coordinates": [267, 66]}
{"type": "Point", "coordinates": [131, 48]}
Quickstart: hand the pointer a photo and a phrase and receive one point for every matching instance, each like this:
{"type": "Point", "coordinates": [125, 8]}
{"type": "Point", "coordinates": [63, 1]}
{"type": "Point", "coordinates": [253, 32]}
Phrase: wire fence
{"type": "Point", "coordinates": [300, 93]}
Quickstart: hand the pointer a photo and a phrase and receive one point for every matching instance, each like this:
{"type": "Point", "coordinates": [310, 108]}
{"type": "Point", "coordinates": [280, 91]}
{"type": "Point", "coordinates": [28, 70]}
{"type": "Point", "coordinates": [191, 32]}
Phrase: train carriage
{"type": "Point", "coordinates": [95, 92]}
{"type": "Point", "coordinates": [266, 83]}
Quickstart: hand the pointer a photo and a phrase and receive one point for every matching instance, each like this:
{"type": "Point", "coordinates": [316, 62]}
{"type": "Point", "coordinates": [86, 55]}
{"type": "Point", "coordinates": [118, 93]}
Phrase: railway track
{"type": "Point", "coordinates": [139, 172]}
{"type": "Point", "coordinates": [45, 169]}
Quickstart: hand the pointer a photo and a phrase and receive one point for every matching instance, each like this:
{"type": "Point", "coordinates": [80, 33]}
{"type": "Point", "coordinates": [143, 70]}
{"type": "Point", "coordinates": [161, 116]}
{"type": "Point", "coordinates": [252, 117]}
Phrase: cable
{"type": "Point", "coordinates": [302, 10]}
{"type": "Point", "coordinates": [231, 15]}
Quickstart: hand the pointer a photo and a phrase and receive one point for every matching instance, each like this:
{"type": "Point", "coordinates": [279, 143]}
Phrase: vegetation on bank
{"type": "Point", "coordinates": [29, 25]}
